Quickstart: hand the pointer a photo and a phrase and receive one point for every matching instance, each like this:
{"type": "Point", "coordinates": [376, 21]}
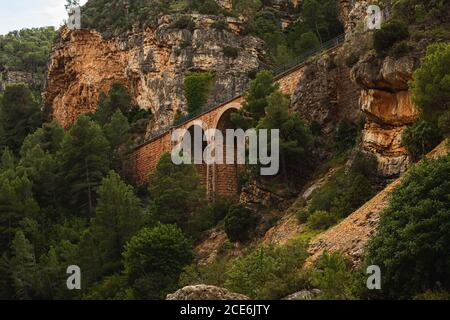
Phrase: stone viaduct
{"type": "Point", "coordinates": [219, 179]}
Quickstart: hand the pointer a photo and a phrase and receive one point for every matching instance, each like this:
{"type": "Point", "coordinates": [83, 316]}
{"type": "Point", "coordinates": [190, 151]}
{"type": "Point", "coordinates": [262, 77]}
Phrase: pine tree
{"type": "Point", "coordinates": [255, 101]}
{"type": "Point", "coordinates": [23, 264]}
{"type": "Point", "coordinates": [177, 196]}
{"type": "Point", "coordinates": [20, 115]}
{"type": "Point", "coordinates": [16, 200]}
{"type": "Point", "coordinates": [84, 163]}
{"type": "Point", "coordinates": [295, 136]}
{"type": "Point", "coordinates": [118, 217]}
{"type": "Point", "coordinates": [117, 132]}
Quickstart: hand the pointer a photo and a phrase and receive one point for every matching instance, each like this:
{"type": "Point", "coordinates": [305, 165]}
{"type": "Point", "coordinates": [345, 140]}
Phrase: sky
{"type": "Point", "coordinates": [19, 14]}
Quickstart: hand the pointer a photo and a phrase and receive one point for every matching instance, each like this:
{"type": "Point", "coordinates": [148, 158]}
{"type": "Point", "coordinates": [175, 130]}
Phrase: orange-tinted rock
{"type": "Point", "coordinates": [389, 108]}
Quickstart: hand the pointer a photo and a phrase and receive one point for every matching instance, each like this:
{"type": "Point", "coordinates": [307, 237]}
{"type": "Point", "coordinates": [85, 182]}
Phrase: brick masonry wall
{"type": "Point", "coordinates": [221, 180]}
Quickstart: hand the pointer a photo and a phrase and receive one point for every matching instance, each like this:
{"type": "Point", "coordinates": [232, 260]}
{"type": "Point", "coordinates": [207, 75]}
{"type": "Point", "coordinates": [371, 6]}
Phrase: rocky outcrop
{"type": "Point", "coordinates": [386, 101]}
{"type": "Point", "coordinates": [304, 295]}
{"type": "Point", "coordinates": [352, 234]}
{"type": "Point", "coordinates": [325, 94]}
{"type": "Point", "coordinates": [152, 63]}
{"type": "Point", "coordinates": [204, 292]}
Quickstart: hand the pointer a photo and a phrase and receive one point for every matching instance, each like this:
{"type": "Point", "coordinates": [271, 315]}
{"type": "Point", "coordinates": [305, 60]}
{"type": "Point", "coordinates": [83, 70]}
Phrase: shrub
{"type": "Point", "coordinates": [343, 194]}
{"type": "Point", "coordinates": [411, 245]}
{"type": "Point", "coordinates": [344, 136]}
{"type": "Point", "coordinates": [239, 223]}
{"type": "Point", "coordinates": [322, 220]}
{"type": "Point", "coordinates": [308, 41]}
{"type": "Point", "coordinates": [221, 207]}
{"type": "Point", "coordinates": [213, 273]}
{"type": "Point", "coordinates": [154, 260]}
{"type": "Point", "coordinates": [431, 83]}
{"type": "Point", "coordinates": [390, 33]}
{"type": "Point", "coordinates": [269, 272]}
{"type": "Point", "coordinates": [231, 52]}
{"type": "Point", "coordinates": [183, 22]}
{"type": "Point", "coordinates": [333, 275]}
{"type": "Point", "coordinates": [420, 138]}
{"type": "Point", "coordinates": [197, 86]}
{"type": "Point", "coordinates": [220, 25]}
{"type": "Point", "coordinates": [302, 215]}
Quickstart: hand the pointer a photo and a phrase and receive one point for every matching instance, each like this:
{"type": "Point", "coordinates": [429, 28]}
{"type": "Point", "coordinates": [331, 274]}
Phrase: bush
{"type": "Point", "coordinates": [390, 33]}
{"type": "Point", "coordinates": [431, 83]}
{"type": "Point", "coordinates": [183, 22]}
{"type": "Point", "coordinates": [231, 52]}
{"type": "Point", "coordinates": [154, 260]}
{"type": "Point", "coordinates": [411, 246]}
{"type": "Point", "coordinates": [343, 194]}
{"type": "Point", "coordinates": [220, 25]}
{"type": "Point", "coordinates": [239, 223]}
{"type": "Point", "coordinates": [197, 86]}
{"type": "Point", "coordinates": [268, 272]}
{"type": "Point", "coordinates": [322, 220]}
{"type": "Point", "coordinates": [213, 273]}
{"type": "Point", "coordinates": [221, 207]}
{"type": "Point", "coordinates": [344, 136]}
{"type": "Point", "coordinates": [302, 215]}
{"type": "Point", "coordinates": [333, 275]}
{"type": "Point", "coordinates": [420, 138]}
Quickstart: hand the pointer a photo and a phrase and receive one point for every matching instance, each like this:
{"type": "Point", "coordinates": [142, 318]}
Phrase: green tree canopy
{"type": "Point", "coordinates": [411, 245]}
{"type": "Point", "coordinates": [117, 218]}
{"type": "Point", "coordinates": [20, 115]}
{"type": "Point", "coordinates": [154, 260]}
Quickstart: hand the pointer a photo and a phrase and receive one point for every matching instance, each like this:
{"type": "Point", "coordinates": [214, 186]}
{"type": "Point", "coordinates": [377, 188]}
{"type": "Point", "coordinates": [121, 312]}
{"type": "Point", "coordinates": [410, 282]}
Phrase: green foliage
{"type": "Point", "coordinates": [221, 207]}
{"type": "Point", "coordinates": [114, 287]}
{"type": "Point", "coordinates": [333, 275]}
{"type": "Point", "coordinates": [214, 273]}
{"type": "Point", "coordinates": [197, 86]}
{"type": "Point", "coordinates": [20, 115]}
{"type": "Point", "coordinates": [322, 220]}
{"type": "Point", "coordinates": [117, 132]}
{"type": "Point", "coordinates": [240, 223]}
{"type": "Point", "coordinates": [16, 200]}
{"type": "Point", "coordinates": [23, 267]}
{"type": "Point", "coordinates": [421, 11]}
{"type": "Point", "coordinates": [344, 136]}
{"type": "Point", "coordinates": [205, 6]}
{"type": "Point", "coordinates": [268, 272]}
{"type": "Point", "coordinates": [231, 52]}
{"type": "Point", "coordinates": [253, 108]}
{"type": "Point", "coordinates": [111, 17]}
{"type": "Point", "coordinates": [177, 197]}
{"type": "Point", "coordinates": [84, 163]}
{"type": "Point", "coordinates": [295, 136]}
{"type": "Point", "coordinates": [154, 260]}
{"type": "Point", "coordinates": [117, 218]}
{"type": "Point", "coordinates": [421, 138]}
{"type": "Point", "coordinates": [307, 41]}
{"type": "Point", "coordinates": [302, 215]}
{"type": "Point", "coordinates": [183, 22]}
{"type": "Point", "coordinates": [26, 49]}
{"type": "Point", "coordinates": [431, 83]}
{"type": "Point", "coordinates": [390, 33]}
{"type": "Point", "coordinates": [346, 192]}
{"type": "Point", "coordinates": [411, 245]}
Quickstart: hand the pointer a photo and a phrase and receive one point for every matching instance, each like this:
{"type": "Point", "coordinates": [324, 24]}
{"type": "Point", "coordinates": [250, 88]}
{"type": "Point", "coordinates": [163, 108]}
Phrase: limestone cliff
{"type": "Point", "coordinates": [152, 63]}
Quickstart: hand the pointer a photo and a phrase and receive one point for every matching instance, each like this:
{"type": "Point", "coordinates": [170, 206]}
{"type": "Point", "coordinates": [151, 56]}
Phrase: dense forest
{"type": "Point", "coordinates": [26, 50]}
{"type": "Point", "coordinates": [65, 196]}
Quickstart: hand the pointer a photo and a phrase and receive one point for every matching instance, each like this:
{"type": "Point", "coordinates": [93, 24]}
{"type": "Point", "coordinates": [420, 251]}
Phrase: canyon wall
{"type": "Point", "coordinates": [151, 63]}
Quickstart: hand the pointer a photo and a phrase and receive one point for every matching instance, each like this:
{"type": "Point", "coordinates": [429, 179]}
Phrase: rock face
{"type": "Point", "coordinates": [204, 292]}
{"type": "Point", "coordinates": [8, 77]}
{"type": "Point", "coordinates": [386, 101]}
{"type": "Point", "coordinates": [325, 94]}
{"type": "Point", "coordinates": [151, 63]}
{"type": "Point", "coordinates": [352, 234]}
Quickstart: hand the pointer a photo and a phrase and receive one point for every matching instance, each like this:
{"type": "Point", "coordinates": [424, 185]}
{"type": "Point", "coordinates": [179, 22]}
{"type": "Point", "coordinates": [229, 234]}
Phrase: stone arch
{"type": "Point", "coordinates": [197, 130]}
{"type": "Point", "coordinates": [225, 176]}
